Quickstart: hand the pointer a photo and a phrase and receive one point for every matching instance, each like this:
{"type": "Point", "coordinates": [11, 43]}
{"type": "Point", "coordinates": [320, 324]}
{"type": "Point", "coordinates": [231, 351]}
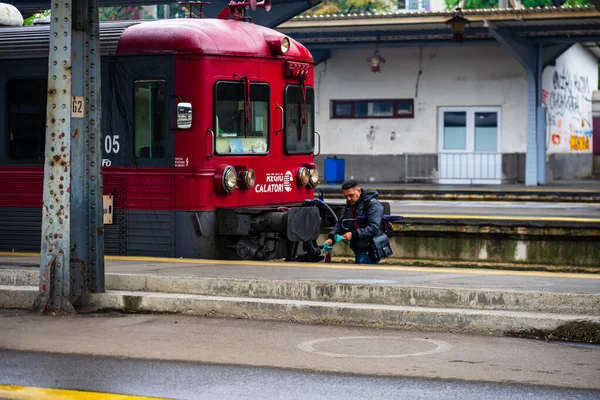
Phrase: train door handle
{"type": "Point", "coordinates": [280, 130]}
{"type": "Point", "coordinates": [319, 141]}
{"type": "Point", "coordinates": [212, 143]}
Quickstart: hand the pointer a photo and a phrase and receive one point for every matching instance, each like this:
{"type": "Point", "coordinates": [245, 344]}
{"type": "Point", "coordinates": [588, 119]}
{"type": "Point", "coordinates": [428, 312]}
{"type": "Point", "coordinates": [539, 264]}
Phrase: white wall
{"type": "Point", "coordinates": [437, 5]}
{"type": "Point", "coordinates": [567, 94]}
{"type": "Point", "coordinates": [452, 76]}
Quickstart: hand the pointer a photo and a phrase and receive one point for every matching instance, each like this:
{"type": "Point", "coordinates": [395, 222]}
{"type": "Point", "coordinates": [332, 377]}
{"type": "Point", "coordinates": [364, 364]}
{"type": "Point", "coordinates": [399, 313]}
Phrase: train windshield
{"type": "Point", "coordinates": [241, 118]}
{"type": "Point", "coordinates": [299, 120]}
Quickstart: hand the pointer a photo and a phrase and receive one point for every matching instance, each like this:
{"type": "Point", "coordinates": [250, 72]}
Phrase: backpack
{"type": "Point", "coordinates": [387, 228]}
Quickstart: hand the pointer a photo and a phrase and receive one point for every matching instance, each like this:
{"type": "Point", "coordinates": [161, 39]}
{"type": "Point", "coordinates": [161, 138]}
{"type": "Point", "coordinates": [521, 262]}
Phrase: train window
{"type": "Point", "coordinates": [299, 120]}
{"type": "Point", "coordinates": [150, 118]}
{"type": "Point", "coordinates": [26, 111]}
{"type": "Point", "coordinates": [241, 126]}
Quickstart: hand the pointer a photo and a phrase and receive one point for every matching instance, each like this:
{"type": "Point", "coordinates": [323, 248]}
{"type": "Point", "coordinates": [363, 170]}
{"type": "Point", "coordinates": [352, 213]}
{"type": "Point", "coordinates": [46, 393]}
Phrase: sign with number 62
{"type": "Point", "coordinates": [77, 107]}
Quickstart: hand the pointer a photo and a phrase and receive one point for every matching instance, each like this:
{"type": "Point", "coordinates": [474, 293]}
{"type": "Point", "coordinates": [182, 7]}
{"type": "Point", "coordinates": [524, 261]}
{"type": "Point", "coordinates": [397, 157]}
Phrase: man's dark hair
{"type": "Point", "coordinates": [349, 184]}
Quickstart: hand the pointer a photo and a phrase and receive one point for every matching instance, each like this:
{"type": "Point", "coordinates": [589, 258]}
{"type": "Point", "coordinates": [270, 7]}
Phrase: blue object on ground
{"type": "Point", "coordinates": [335, 170]}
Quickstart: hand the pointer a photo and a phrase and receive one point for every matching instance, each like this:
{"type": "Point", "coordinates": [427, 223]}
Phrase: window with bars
{"type": "Point", "coordinates": [385, 108]}
{"type": "Point", "coordinates": [413, 5]}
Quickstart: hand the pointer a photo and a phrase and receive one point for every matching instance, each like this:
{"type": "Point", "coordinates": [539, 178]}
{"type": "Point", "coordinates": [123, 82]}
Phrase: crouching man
{"type": "Point", "coordinates": [359, 231]}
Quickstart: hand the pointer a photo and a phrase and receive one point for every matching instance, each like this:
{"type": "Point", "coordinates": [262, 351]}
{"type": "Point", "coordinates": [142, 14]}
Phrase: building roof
{"type": "Point", "coordinates": [166, 36]}
{"type": "Point", "coordinates": [545, 25]}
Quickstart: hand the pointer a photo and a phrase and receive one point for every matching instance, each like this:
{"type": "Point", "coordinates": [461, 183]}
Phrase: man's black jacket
{"type": "Point", "coordinates": [369, 227]}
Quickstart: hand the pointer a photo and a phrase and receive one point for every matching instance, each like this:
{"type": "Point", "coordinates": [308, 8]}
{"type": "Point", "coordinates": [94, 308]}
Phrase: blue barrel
{"type": "Point", "coordinates": [335, 170]}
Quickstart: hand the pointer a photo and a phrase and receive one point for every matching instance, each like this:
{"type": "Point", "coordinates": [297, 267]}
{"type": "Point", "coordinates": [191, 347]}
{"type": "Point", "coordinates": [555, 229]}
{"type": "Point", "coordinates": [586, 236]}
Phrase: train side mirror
{"type": "Point", "coordinates": [184, 115]}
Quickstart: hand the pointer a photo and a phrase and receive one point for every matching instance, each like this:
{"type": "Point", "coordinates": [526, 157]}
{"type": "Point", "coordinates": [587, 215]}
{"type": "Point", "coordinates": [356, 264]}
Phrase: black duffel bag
{"type": "Point", "coordinates": [380, 247]}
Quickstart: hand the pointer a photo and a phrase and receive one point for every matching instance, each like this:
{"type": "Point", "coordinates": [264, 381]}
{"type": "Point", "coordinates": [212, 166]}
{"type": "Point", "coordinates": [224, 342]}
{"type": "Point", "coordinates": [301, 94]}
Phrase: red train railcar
{"type": "Point", "coordinates": [208, 140]}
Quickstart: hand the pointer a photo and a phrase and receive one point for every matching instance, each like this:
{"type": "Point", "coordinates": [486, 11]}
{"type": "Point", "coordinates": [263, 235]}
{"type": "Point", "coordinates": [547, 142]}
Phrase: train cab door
{"type": "Point", "coordinates": [138, 154]}
{"type": "Point", "coordinates": [299, 129]}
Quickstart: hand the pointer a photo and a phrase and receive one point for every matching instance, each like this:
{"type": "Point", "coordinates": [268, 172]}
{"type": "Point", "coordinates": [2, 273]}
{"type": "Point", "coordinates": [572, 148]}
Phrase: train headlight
{"type": "Point", "coordinates": [314, 177]}
{"type": "Point", "coordinates": [248, 178]}
{"type": "Point", "coordinates": [229, 179]}
{"type": "Point", "coordinates": [279, 46]}
{"type": "Point", "coordinates": [303, 175]}
{"type": "Point", "coordinates": [285, 45]}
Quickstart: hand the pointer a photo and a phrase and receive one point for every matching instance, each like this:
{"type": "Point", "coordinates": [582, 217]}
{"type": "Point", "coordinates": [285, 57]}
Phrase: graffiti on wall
{"type": "Point", "coordinates": [569, 111]}
{"type": "Point", "coordinates": [567, 94]}
{"type": "Point", "coordinates": [371, 137]}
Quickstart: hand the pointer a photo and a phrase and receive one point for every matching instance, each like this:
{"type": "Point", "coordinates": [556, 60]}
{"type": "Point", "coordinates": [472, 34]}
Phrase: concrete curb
{"type": "Point", "coordinates": [312, 312]}
{"type": "Point", "coordinates": [381, 294]}
{"type": "Point", "coordinates": [17, 296]}
{"type": "Point", "coordinates": [319, 312]}
{"type": "Point", "coordinates": [20, 277]}
{"type": "Point", "coordinates": [414, 296]}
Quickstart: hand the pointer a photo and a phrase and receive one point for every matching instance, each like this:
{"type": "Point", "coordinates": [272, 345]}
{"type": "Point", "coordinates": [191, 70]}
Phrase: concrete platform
{"type": "Point", "coordinates": [435, 299]}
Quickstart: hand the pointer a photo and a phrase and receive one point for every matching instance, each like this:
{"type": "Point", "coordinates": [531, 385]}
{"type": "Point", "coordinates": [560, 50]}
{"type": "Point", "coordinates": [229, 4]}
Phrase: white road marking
{"type": "Point", "coordinates": [308, 347]}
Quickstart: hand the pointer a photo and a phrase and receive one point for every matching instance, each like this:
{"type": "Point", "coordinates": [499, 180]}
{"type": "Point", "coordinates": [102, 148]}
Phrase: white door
{"type": "Point", "coordinates": [469, 143]}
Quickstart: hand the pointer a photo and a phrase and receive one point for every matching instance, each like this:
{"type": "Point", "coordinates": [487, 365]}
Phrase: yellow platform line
{"type": "Point", "coordinates": [455, 191]}
{"type": "Point", "coordinates": [499, 218]}
{"type": "Point", "coordinates": [29, 392]}
{"type": "Point", "coordinates": [279, 264]}
{"type": "Point", "coordinates": [495, 202]}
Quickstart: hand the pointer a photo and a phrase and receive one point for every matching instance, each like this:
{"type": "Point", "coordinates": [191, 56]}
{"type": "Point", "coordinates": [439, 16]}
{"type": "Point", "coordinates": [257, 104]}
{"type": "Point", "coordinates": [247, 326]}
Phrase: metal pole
{"type": "Point", "coordinates": [72, 231]}
{"type": "Point", "coordinates": [541, 122]}
{"type": "Point", "coordinates": [531, 163]}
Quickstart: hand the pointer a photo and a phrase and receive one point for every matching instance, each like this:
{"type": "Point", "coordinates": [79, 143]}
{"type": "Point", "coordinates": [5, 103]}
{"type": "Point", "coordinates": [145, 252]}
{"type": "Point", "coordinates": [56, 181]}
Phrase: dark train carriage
{"type": "Point", "coordinates": [208, 140]}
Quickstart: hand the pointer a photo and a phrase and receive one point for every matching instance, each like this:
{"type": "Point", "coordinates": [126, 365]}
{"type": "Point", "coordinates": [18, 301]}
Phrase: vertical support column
{"type": "Point", "coordinates": [88, 255]}
{"type": "Point", "coordinates": [95, 231]}
{"type": "Point", "coordinates": [71, 258]}
{"type": "Point", "coordinates": [527, 55]}
{"type": "Point", "coordinates": [541, 143]}
{"type": "Point", "coordinates": [541, 121]}
{"type": "Point", "coordinates": [531, 162]}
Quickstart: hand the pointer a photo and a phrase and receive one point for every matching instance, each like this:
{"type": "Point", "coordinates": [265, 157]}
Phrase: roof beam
{"type": "Point", "coordinates": [551, 52]}
{"type": "Point", "coordinates": [567, 40]}
{"type": "Point", "coordinates": [381, 35]}
{"type": "Point", "coordinates": [320, 55]}
{"type": "Point", "coordinates": [475, 16]}
{"type": "Point", "coordinates": [411, 43]}
{"type": "Point", "coordinates": [520, 48]}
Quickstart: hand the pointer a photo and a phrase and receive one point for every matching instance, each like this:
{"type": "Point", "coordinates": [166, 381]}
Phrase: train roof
{"type": "Point", "coordinates": [206, 36]}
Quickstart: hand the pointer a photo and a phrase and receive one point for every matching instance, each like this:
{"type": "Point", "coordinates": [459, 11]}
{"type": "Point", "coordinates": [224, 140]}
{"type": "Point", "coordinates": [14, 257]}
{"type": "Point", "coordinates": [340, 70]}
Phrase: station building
{"type": "Point", "coordinates": [444, 111]}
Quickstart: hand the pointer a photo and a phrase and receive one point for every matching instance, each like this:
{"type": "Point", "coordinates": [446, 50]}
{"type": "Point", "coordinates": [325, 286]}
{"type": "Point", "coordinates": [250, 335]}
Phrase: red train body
{"type": "Point", "coordinates": [208, 140]}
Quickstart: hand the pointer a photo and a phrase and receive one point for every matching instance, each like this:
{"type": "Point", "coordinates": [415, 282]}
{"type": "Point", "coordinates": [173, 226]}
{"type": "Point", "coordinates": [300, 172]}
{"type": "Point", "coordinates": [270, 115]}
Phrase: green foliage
{"type": "Point", "coordinates": [106, 14]}
{"type": "Point", "coordinates": [573, 3]}
{"type": "Point", "coordinates": [29, 21]}
{"type": "Point", "coordinates": [349, 6]}
{"type": "Point", "coordinates": [119, 13]}
{"type": "Point", "coordinates": [480, 4]}
{"type": "Point", "coordinates": [472, 4]}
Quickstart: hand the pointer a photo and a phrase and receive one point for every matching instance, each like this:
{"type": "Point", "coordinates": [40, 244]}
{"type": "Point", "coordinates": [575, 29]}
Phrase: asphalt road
{"type": "Point", "coordinates": [184, 380]}
{"type": "Point", "coordinates": [178, 356]}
